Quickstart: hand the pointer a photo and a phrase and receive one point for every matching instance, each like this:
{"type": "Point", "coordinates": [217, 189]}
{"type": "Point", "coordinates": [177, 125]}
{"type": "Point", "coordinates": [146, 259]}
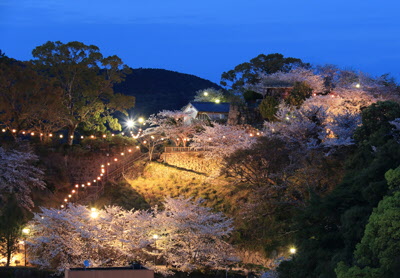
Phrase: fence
{"type": "Point", "coordinates": [183, 149]}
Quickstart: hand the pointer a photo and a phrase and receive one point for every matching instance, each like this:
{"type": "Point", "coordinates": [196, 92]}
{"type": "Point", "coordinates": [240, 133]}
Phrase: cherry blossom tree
{"type": "Point", "coordinates": [191, 236]}
{"type": "Point", "coordinates": [171, 125]}
{"type": "Point", "coordinates": [299, 127]}
{"type": "Point", "coordinates": [164, 126]}
{"type": "Point", "coordinates": [313, 126]}
{"type": "Point", "coordinates": [314, 81]}
{"type": "Point", "coordinates": [342, 101]}
{"type": "Point", "coordinates": [220, 141]}
{"type": "Point", "coordinates": [63, 239]}
{"type": "Point", "coordinates": [19, 176]}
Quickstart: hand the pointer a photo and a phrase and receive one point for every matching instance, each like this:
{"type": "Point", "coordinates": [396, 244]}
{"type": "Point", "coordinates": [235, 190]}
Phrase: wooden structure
{"type": "Point", "coordinates": [206, 111]}
{"type": "Point", "coordinates": [111, 272]}
{"type": "Point", "coordinates": [182, 149]}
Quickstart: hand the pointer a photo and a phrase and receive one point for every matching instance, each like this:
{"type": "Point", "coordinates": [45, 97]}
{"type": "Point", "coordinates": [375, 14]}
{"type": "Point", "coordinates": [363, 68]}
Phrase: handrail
{"type": "Point", "coordinates": [183, 149]}
{"type": "Point", "coordinates": [114, 174]}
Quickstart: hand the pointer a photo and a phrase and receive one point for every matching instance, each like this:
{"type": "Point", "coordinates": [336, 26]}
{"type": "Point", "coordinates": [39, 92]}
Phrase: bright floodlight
{"type": "Point", "coordinates": [217, 101]}
{"type": "Point", "coordinates": [358, 85]}
{"type": "Point", "coordinates": [292, 250]}
{"type": "Point", "coordinates": [94, 213]}
{"type": "Point", "coordinates": [206, 93]}
{"type": "Point", "coordinates": [130, 123]}
{"type": "Point", "coordinates": [140, 120]}
{"type": "Point", "coordinates": [26, 231]}
{"type": "Point", "coordinates": [155, 236]}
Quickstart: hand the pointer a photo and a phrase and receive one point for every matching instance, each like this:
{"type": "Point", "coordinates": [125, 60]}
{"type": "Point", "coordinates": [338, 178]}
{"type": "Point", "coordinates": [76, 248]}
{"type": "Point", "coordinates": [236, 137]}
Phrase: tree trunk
{"type": "Point", "coordinates": [9, 250]}
{"type": "Point", "coordinates": [71, 131]}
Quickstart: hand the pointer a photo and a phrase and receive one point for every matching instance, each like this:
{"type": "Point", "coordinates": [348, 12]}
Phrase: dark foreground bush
{"type": "Point", "coordinates": [25, 272]}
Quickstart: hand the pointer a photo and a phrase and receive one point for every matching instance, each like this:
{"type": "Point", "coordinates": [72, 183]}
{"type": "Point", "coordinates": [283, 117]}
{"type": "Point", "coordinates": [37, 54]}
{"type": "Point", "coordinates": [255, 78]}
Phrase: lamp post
{"type": "Point", "coordinates": [155, 237]}
{"type": "Point", "coordinates": [25, 232]}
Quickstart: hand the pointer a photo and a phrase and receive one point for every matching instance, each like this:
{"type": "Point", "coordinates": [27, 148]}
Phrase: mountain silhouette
{"type": "Point", "coordinates": [160, 89]}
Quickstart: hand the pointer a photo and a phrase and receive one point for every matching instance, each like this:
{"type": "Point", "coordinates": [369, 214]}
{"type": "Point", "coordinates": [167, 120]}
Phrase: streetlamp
{"type": "Point", "coordinates": [292, 250]}
{"type": "Point", "coordinates": [25, 232]}
{"type": "Point", "coordinates": [130, 123]}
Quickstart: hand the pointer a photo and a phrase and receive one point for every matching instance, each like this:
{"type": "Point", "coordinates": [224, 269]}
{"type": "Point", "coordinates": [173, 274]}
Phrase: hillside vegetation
{"type": "Point", "coordinates": [161, 180]}
{"type": "Point", "coordinates": [160, 89]}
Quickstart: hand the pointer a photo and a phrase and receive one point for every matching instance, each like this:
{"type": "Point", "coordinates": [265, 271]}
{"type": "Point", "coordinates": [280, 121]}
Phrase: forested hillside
{"type": "Point", "coordinates": [159, 89]}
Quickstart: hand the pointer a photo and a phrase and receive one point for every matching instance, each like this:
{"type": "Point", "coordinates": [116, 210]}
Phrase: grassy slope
{"type": "Point", "coordinates": [160, 180]}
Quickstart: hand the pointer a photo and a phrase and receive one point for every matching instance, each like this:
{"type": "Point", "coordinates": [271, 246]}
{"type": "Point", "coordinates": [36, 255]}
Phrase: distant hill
{"type": "Point", "coordinates": [159, 89]}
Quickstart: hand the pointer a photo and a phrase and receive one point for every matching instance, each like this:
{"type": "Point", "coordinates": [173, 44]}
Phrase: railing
{"type": "Point", "coordinates": [183, 149]}
{"type": "Point", "coordinates": [115, 174]}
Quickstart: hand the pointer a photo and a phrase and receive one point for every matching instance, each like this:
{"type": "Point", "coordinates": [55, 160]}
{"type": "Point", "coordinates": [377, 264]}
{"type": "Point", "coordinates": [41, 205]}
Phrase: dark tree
{"type": "Point", "coordinates": [12, 219]}
{"type": "Point", "coordinates": [247, 73]}
{"type": "Point", "coordinates": [330, 227]}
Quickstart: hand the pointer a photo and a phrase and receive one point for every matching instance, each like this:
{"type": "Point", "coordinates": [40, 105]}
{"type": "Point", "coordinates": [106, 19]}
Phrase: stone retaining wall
{"type": "Point", "coordinates": [192, 161]}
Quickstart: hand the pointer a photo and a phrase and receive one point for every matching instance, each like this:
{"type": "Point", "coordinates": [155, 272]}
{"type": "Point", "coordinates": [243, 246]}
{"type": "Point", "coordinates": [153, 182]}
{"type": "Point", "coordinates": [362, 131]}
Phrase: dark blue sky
{"type": "Point", "coordinates": [207, 37]}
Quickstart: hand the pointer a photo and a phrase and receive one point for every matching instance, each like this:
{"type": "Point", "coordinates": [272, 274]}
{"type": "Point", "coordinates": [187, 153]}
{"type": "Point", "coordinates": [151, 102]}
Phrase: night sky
{"type": "Point", "coordinates": [207, 37]}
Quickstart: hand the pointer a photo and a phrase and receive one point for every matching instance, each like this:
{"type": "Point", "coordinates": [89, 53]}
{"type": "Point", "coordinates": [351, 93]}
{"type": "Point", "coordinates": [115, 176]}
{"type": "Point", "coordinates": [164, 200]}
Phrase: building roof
{"type": "Point", "coordinates": [211, 107]}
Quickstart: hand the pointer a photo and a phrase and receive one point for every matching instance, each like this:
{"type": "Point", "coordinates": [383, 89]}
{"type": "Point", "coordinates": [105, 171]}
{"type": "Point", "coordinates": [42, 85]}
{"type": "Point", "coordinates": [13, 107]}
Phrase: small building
{"type": "Point", "coordinates": [109, 272]}
{"type": "Point", "coordinates": [207, 111]}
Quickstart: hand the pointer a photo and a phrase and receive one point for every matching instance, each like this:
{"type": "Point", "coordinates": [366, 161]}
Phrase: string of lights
{"type": "Point", "coordinates": [61, 136]}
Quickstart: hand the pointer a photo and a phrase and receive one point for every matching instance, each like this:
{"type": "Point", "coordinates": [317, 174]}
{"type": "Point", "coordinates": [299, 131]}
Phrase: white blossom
{"type": "Point", "coordinates": [185, 234]}
{"type": "Point", "coordinates": [315, 81]}
{"type": "Point", "coordinates": [19, 175]}
{"type": "Point", "coordinates": [191, 236]}
{"type": "Point", "coordinates": [220, 141]}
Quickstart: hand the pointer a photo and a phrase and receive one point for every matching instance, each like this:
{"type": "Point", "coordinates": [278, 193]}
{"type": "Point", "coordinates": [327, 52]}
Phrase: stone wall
{"type": "Point", "coordinates": [192, 161]}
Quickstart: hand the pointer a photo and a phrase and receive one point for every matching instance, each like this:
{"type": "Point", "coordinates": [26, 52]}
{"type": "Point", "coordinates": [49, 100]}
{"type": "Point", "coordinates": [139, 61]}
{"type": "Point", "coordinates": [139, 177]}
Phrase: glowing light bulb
{"type": "Point", "coordinates": [130, 123]}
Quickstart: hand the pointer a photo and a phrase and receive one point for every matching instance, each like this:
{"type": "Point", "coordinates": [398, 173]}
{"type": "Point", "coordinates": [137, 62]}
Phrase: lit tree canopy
{"type": "Point", "coordinates": [191, 236]}
{"type": "Point", "coordinates": [314, 82]}
{"type": "Point", "coordinates": [86, 79]}
{"type": "Point", "coordinates": [19, 176]}
{"type": "Point", "coordinates": [185, 234]}
{"type": "Point", "coordinates": [220, 140]}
